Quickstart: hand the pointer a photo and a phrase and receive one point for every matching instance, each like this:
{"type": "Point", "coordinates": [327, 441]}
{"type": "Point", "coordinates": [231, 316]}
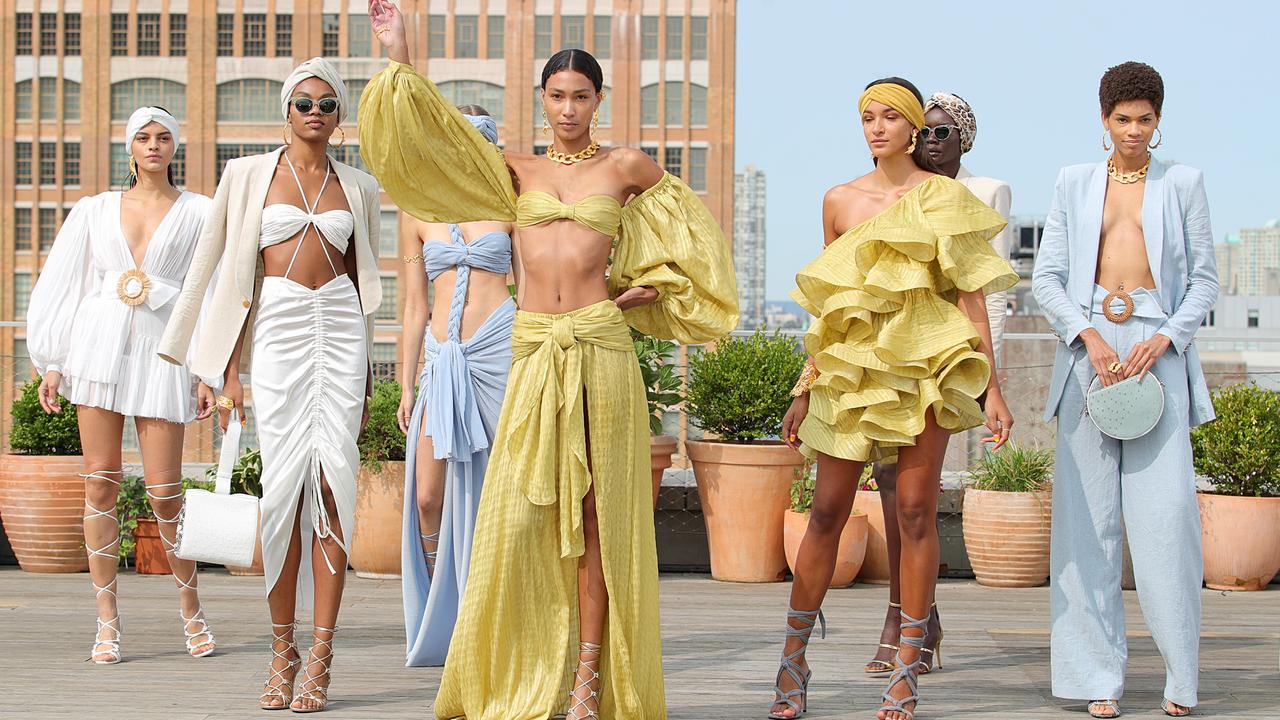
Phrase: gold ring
{"type": "Point", "coordinates": [1115, 367]}
{"type": "Point", "coordinates": [380, 31]}
{"type": "Point", "coordinates": [225, 402]}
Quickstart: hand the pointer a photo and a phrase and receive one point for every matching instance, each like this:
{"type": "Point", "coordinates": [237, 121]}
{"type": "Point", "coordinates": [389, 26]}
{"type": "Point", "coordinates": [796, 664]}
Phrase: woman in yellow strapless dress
{"type": "Point", "coordinates": [900, 358]}
{"type": "Point", "coordinates": [560, 610]}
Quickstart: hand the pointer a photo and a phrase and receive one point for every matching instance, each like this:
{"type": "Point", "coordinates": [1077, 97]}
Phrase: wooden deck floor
{"type": "Point", "coordinates": [721, 643]}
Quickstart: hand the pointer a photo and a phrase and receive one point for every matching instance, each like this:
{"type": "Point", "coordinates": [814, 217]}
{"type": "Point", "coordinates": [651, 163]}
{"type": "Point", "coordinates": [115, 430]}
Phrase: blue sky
{"type": "Point", "coordinates": [1030, 70]}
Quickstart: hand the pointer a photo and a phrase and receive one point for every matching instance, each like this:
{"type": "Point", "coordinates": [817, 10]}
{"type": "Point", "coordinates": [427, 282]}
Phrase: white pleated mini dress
{"type": "Point", "coordinates": [97, 316]}
{"type": "Point", "coordinates": [308, 373]}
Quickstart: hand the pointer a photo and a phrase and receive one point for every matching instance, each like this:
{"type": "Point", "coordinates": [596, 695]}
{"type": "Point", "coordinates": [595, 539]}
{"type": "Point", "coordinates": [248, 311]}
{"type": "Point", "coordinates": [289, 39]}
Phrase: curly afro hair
{"type": "Point", "coordinates": [1130, 81]}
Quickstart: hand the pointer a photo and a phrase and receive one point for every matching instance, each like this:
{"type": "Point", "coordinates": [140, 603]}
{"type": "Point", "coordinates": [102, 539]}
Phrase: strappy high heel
{"type": "Point", "coordinates": [430, 555]}
{"type": "Point", "coordinates": [280, 681]}
{"type": "Point", "coordinates": [593, 668]}
{"type": "Point", "coordinates": [311, 690]}
{"type": "Point", "coordinates": [906, 672]}
{"type": "Point", "coordinates": [171, 549]}
{"type": "Point", "coordinates": [193, 647]}
{"type": "Point", "coordinates": [109, 551]}
{"type": "Point", "coordinates": [882, 667]}
{"type": "Point", "coordinates": [935, 652]}
{"type": "Point", "coordinates": [799, 675]}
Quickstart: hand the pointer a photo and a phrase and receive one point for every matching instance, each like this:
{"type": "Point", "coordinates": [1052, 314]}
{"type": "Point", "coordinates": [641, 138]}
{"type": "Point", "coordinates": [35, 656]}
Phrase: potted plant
{"type": "Point", "coordinates": [662, 390]}
{"type": "Point", "coordinates": [875, 563]}
{"type": "Point", "coordinates": [41, 490]}
{"type": "Point", "coordinates": [139, 530]}
{"type": "Point", "coordinates": [375, 541]}
{"type": "Point", "coordinates": [853, 539]}
{"type": "Point", "coordinates": [1239, 454]}
{"type": "Point", "coordinates": [1008, 512]}
{"type": "Point", "coordinates": [246, 478]}
{"type": "Point", "coordinates": [739, 392]}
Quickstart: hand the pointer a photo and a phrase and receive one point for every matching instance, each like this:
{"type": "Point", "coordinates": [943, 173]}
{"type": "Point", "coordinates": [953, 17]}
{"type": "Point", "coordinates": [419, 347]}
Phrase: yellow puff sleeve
{"type": "Point", "coordinates": [428, 158]}
{"type": "Point", "coordinates": [670, 241]}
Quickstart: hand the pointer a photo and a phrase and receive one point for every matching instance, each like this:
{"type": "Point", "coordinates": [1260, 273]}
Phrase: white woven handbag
{"type": "Point", "coordinates": [218, 527]}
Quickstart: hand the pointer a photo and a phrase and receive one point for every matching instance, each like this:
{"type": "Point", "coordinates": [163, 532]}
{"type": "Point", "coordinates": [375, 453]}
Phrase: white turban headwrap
{"type": "Point", "coordinates": [961, 114]}
{"type": "Point", "coordinates": [316, 67]}
{"type": "Point", "coordinates": [143, 117]}
{"type": "Point", "coordinates": [486, 125]}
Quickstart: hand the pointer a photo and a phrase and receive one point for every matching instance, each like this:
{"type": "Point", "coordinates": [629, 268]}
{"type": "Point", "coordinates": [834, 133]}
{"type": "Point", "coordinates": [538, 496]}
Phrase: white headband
{"type": "Point", "coordinates": [316, 67]}
{"type": "Point", "coordinates": [143, 117]}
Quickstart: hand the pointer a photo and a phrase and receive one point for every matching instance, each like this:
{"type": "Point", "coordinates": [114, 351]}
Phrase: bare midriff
{"type": "Point", "coordinates": [486, 290]}
{"type": "Point", "coordinates": [1122, 247]}
{"type": "Point", "coordinates": [562, 266]}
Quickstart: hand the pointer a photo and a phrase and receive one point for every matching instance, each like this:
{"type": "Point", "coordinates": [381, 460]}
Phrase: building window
{"type": "Point", "coordinates": [384, 360]}
{"type": "Point", "coordinates": [387, 310]}
{"type": "Point", "coordinates": [1253, 319]}
{"type": "Point", "coordinates": [129, 95]}
{"type": "Point", "coordinates": [22, 100]}
{"type": "Point", "coordinates": [474, 92]}
{"type": "Point", "coordinates": [652, 152]}
{"type": "Point", "coordinates": [48, 98]}
{"type": "Point", "coordinates": [573, 31]}
{"type": "Point", "coordinates": [355, 88]}
{"type": "Point", "coordinates": [542, 36]}
{"type": "Point", "coordinates": [71, 163]}
{"type": "Point", "coordinates": [435, 36]}
{"type": "Point", "coordinates": [23, 24]}
{"type": "Point", "coordinates": [1208, 320]}
{"type": "Point", "coordinates": [48, 227]}
{"type": "Point", "coordinates": [349, 154]}
{"type": "Point", "coordinates": [149, 34]}
{"type": "Point", "coordinates": [606, 107]}
{"type": "Point", "coordinates": [389, 229]}
{"type": "Point", "coordinates": [360, 36]}
{"type": "Point", "coordinates": [21, 294]}
{"type": "Point", "coordinates": [698, 38]}
{"type": "Point", "coordinates": [22, 163]}
{"type": "Point", "coordinates": [71, 34]}
{"type": "Point", "coordinates": [649, 105]}
{"type": "Point", "coordinates": [466, 36]}
{"type": "Point", "coordinates": [177, 35]}
{"type": "Point", "coordinates": [225, 152]}
{"type": "Point", "coordinates": [675, 37]}
{"type": "Point", "coordinates": [649, 38]}
{"type": "Point", "coordinates": [249, 100]}
{"type": "Point", "coordinates": [697, 105]}
{"type": "Point", "coordinates": [496, 27]}
{"type": "Point", "coordinates": [70, 100]}
{"type": "Point", "coordinates": [48, 163]}
{"type": "Point", "coordinates": [675, 103]}
{"type": "Point", "coordinates": [22, 370]}
{"type": "Point", "coordinates": [48, 33]}
{"type": "Point", "coordinates": [119, 33]}
{"type": "Point", "coordinates": [179, 166]}
{"type": "Point", "coordinates": [329, 34]}
{"type": "Point", "coordinates": [226, 34]}
{"type": "Point", "coordinates": [254, 34]}
{"type": "Point", "coordinates": [672, 160]}
{"type": "Point", "coordinates": [698, 169]}
{"type": "Point", "coordinates": [22, 229]}
{"type": "Point", "coordinates": [602, 37]}
{"type": "Point", "coordinates": [284, 35]}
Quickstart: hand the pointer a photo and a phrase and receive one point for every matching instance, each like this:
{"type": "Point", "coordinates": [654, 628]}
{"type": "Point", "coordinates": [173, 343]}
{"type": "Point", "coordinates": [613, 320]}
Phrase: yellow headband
{"type": "Point", "coordinates": [897, 97]}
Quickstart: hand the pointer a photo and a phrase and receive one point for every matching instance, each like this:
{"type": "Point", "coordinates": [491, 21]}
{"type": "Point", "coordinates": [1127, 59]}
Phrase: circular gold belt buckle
{"type": "Point", "coordinates": [1122, 296]}
{"type": "Point", "coordinates": [134, 287]}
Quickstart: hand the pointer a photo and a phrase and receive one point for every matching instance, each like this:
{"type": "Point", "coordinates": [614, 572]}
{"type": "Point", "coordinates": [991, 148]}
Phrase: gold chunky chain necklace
{"type": "Point", "coordinates": [567, 159]}
{"type": "Point", "coordinates": [1127, 178]}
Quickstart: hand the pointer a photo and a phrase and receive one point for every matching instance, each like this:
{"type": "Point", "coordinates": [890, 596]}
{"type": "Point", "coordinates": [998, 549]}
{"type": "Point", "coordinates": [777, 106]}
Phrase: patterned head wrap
{"type": "Point", "coordinates": [486, 125]}
{"type": "Point", "coordinates": [961, 114]}
{"type": "Point", "coordinates": [143, 117]}
{"type": "Point", "coordinates": [316, 67]}
{"type": "Point", "coordinates": [897, 97]}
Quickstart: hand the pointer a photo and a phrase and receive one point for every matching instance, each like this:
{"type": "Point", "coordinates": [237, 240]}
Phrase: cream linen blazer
{"type": "Point", "coordinates": [228, 247]}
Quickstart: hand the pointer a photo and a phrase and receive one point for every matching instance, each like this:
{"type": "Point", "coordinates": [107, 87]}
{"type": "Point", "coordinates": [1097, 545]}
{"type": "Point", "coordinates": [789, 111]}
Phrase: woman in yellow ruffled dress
{"type": "Point", "coordinates": [900, 358]}
{"type": "Point", "coordinates": [560, 610]}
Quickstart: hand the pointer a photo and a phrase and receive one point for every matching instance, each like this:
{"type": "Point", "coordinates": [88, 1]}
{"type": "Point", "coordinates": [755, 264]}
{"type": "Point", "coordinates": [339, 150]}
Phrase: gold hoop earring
{"type": "Point", "coordinates": [287, 134]}
{"type": "Point", "coordinates": [912, 147]}
{"type": "Point", "coordinates": [341, 141]}
{"type": "Point", "coordinates": [546, 123]}
{"type": "Point", "coordinates": [1105, 146]}
{"type": "Point", "coordinates": [1159, 140]}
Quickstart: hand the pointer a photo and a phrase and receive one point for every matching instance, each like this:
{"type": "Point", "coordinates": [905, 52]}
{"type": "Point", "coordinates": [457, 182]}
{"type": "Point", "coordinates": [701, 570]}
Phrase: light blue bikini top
{"type": "Point", "coordinates": [490, 252]}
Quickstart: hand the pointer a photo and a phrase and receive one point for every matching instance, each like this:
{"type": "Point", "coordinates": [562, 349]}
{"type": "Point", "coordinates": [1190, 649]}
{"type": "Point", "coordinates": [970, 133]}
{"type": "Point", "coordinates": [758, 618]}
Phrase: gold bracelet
{"type": "Point", "coordinates": [411, 259]}
{"type": "Point", "coordinates": [225, 402]}
{"type": "Point", "coordinates": [807, 379]}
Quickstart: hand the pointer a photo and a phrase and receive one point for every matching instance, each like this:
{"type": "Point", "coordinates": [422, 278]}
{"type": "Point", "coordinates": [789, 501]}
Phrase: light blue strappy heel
{"type": "Point", "coordinates": [906, 672]}
{"type": "Point", "coordinates": [799, 675]}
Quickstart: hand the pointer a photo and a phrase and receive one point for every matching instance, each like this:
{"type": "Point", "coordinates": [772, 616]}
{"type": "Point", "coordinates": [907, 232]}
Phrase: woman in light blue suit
{"type": "Point", "coordinates": [1130, 235]}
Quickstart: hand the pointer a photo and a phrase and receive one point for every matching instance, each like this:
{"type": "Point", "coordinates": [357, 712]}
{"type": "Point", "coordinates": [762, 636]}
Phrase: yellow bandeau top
{"type": "Point", "coordinates": [602, 213]}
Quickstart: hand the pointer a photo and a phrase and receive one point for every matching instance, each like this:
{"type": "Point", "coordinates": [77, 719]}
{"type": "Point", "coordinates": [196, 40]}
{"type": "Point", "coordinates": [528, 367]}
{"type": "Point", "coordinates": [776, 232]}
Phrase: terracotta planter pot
{"type": "Point", "coordinates": [875, 565]}
{"type": "Point", "coordinates": [849, 555]}
{"type": "Point", "coordinates": [375, 546]}
{"type": "Point", "coordinates": [745, 489]}
{"type": "Point", "coordinates": [148, 550]}
{"type": "Point", "coordinates": [661, 448]}
{"type": "Point", "coordinates": [256, 567]}
{"type": "Point", "coordinates": [1007, 536]}
{"type": "Point", "coordinates": [1241, 537]}
{"type": "Point", "coordinates": [42, 501]}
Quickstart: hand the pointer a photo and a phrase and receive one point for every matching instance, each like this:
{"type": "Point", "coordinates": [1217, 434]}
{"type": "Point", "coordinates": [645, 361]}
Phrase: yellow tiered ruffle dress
{"type": "Point", "coordinates": [574, 419]}
{"type": "Point", "coordinates": [888, 340]}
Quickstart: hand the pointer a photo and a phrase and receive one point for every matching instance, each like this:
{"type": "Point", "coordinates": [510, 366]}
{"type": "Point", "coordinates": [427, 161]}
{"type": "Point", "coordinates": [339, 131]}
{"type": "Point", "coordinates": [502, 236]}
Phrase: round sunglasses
{"type": "Point", "coordinates": [303, 105]}
{"type": "Point", "coordinates": [941, 132]}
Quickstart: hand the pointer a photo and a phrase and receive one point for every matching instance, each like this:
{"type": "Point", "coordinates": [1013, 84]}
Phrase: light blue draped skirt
{"type": "Point", "coordinates": [460, 397]}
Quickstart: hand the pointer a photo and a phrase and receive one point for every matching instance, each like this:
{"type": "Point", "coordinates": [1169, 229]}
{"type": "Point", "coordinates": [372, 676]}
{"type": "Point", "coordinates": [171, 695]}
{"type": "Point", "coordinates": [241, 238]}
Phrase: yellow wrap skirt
{"type": "Point", "coordinates": [574, 420]}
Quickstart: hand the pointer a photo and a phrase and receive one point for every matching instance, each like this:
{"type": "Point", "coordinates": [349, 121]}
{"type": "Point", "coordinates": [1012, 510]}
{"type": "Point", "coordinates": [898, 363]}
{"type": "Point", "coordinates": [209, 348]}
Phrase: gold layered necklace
{"type": "Point", "coordinates": [567, 159]}
{"type": "Point", "coordinates": [1127, 178]}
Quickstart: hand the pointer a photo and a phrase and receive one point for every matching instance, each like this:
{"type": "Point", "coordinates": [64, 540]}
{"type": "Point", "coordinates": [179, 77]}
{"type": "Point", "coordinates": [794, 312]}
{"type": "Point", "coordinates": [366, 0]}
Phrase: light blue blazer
{"type": "Point", "coordinates": [1175, 224]}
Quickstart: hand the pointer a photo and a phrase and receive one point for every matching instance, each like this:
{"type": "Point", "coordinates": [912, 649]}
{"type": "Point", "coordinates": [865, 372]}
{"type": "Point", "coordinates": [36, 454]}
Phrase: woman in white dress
{"type": "Point", "coordinates": [96, 315]}
{"type": "Point", "coordinates": [294, 301]}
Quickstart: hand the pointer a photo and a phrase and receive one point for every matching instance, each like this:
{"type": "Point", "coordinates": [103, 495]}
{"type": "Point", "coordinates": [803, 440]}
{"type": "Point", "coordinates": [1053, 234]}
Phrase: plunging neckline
{"type": "Point", "coordinates": [146, 251]}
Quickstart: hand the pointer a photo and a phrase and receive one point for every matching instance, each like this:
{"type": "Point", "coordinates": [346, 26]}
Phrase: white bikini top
{"type": "Point", "coordinates": [281, 221]}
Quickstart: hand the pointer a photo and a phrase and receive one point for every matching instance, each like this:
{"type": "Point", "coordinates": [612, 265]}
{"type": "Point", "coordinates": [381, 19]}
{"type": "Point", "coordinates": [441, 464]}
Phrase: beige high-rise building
{"type": "Point", "coordinates": [1249, 262]}
{"type": "Point", "coordinates": [74, 70]}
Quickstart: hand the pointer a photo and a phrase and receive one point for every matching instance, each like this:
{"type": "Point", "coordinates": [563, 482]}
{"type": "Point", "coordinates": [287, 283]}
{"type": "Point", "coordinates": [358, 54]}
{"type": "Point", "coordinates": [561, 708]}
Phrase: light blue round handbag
{"type": "Point", "coordinates": [1128, 409]}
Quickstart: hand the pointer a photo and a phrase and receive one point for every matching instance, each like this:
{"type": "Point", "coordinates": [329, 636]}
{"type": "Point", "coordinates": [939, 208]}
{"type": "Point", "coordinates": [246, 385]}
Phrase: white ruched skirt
{"type": "Point", "coordinates": [308, 376]}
